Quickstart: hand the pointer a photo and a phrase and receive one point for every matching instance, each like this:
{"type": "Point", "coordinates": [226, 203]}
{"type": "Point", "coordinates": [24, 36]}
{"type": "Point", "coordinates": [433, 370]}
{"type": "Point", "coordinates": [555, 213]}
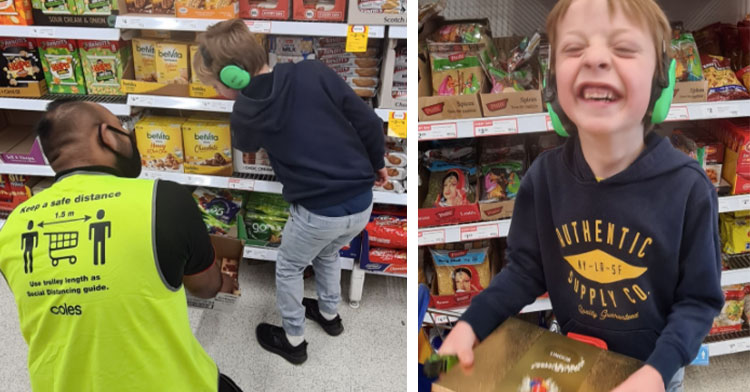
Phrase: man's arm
{"type": "Point", "coordinates": [183, 248]}
{"type": "Point", "coordinates": [698, 296]}
{"type": "Point", "coordinates": [522, 280]}
{"type": "Point", "coordinates": [367, 123]}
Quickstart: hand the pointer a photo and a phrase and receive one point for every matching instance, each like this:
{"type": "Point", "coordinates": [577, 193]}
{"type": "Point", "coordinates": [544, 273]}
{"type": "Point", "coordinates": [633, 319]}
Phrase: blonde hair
{"type": "Point", "coordinates": [228, 43]}
{"type": "Point", "coordinates": [644, 12]}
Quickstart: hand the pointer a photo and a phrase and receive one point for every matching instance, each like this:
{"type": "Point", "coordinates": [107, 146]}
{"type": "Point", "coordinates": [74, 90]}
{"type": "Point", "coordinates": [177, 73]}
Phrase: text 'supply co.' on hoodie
{"type": "Point", "coordinates": [633, 260]}
{"type": "Point", "coordinates": [325, 144]}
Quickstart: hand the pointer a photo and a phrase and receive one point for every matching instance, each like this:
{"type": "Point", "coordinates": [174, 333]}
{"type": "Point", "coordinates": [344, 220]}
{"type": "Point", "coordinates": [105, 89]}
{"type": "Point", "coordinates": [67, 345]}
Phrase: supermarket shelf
{"type": "Point", "coordinates": [60, 32]}
{"type": "Point", "coordinates": [152, 22]}
{"type": "Point", "coordinates": [734, 203]}
{"type": "Point", "coordinates": [397, 32]}
{"type": "Point", "coordinates": [208, 105]}
{"type": "Point", "coordinates": [114, 104]}
{"type": "Point", "coordinates": [398, 199]}
{"type": "Point", "coordinates": [257, 184]}
{"type": "Point", "coordinates": [499, 229]}
{"type": "Point", "coordinates": [739, 270]}
{"type": "Point", "coordinates": [269, 254]}
{"type": "Point", "coordinates": [540, 305]}
{"type": "Point", "coordinates": [728, 343]}
{"type": "Point", "coordinates": [539, 122]}
{"type": "Point", "coordinates": [28, 170]}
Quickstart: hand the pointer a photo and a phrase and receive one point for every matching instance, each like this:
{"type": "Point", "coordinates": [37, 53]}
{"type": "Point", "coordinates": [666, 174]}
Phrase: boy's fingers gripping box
{"type": "Point", "coordinates": [208, 147]}
{"type": "Point", "coordinates": [62, 66]}
{"type": "Point", "coordinates": [159, 141]}
{"type": "Point", "coordinates": [103, 65]}
{"type": "Point", "coordinates": [144, 59]}
{"type": "Point", "coordinates": [172, 63]}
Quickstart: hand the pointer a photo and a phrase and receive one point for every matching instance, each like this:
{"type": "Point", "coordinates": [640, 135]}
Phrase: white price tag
{"type": "Point", "coordinates": [256, 26]}
{"type": "Point", "coordinates": [241, 184]}
{"type": "Point", "coordinates": [678, 113]}
{"type": "Point", "coordinates": [259, 253]}
{"type": "Point", "coordinates": [431, 237]}
{"type": "Point", "coordinates": [480, 232]}
{"type": "Point", "coordinates": [45, 32]}
{"type": "Point", "coordinates": [438, 131]}
{"type": "Point", "coordinates": [495, 127]}
{"type": "Point", "coordinates": [724, 205]}
{"type": "Point", "coordinates": [722, 111]}
{"type": "Point", "coordinates": [153, 175]}
{"type": "Point", "coordinates": [141, 100]}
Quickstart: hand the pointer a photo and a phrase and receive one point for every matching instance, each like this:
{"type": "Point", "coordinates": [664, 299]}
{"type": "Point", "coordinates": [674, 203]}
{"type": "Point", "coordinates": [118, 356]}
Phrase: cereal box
{"type": "Point", "coordinates": [103, 65]}
{"type": "Point", "coordinates": [198, 89]}
{"type": "Point", "coordinates": [62, 66]}
{"type": "Point", "coordinates": [144, 59]}
{"type": "Point", "coordinates": [19, 62]}
{"type": "Point", "coordinates": [211, 9]}
{"type": "Point", "coordinates": [172, 63]}
{"type": "Point", "coordinates": [15, 12]}
{"type": "Point", "coordinates": [66, 7]}
{"type": "Point", "coordinates": [159, 141]}
{"type": "Point", "coordinates": [208, 147]}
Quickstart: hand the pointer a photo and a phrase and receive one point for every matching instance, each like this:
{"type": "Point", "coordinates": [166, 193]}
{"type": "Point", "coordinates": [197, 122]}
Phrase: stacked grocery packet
{"type": "Point", "coordinates": [264, 219]}
{"type": "Point", "coordinates": [387, 246]}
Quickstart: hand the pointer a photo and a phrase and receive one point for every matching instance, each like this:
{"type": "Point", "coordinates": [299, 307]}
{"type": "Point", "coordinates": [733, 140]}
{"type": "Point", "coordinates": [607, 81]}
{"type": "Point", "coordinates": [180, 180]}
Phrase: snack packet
{"type": "Point", "coordinates": [688, 60]}
{"type": "Point", "coordinates": [501, 181]}
{"type": "Point", "coordinates": [460, 271]}
{"type": "Point", "coordinates": [387, 232]}
{"type": "Point", "coordinates": [730, 318]}
{"type": "Point", "coordinates": [722, 82]}
{"type": "Point", "coordinates": [451, 186]}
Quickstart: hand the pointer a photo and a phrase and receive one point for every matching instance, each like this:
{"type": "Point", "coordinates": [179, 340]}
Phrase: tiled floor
{"type": "Point", "coordinates": [369, 355]}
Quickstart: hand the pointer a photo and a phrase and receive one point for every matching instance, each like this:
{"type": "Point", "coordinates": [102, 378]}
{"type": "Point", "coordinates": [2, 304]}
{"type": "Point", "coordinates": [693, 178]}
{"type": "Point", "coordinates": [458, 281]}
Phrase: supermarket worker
{"type": "Point", "coordinates": [326, 147]}
{"type": "Point", "coordinates": [99, 262]}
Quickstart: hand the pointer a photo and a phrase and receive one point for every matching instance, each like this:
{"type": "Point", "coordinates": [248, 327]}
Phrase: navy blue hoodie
{"type": "Point", "coordinates": [325, 144]}
{"type": "Point", "coordinates": [633, 260]}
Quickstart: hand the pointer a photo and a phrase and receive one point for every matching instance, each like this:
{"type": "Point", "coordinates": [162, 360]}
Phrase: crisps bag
{"type": "Point", "coordinates": [722, 82]}
{"type": "Point", "coordinates": [460, 271]}
{"type": "Point", "coordinates": [730, 318]}
{"type": "Point", "coordinates": [501, 181]}
{"type": "Point", "coordinates": [735, 233]}
{"type": "Point", "coordinates": [688, 60]}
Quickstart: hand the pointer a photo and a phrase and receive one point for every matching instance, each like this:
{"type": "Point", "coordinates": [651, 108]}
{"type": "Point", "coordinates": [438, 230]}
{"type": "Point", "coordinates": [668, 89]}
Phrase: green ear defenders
{"type": "Point", "coordinates": [662, 92]}
{"type": "Point", "coordinates": [232, 76]}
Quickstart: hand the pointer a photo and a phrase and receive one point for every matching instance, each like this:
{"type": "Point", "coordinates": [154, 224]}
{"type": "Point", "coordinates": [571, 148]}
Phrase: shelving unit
{"type": "Point", "coordinates": [540, 122]}
{"type": "Point", "coordinates": [116, 105]}
{"type": "Point", "coordinates": [318, 29]}
{"type": "Point", "coordinates": [60, 32]}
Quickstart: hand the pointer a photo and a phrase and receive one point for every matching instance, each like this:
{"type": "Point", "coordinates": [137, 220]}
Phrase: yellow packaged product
{"type": "Point", "coordinates": [198, 89]}
{"type": "Point", "coordinates": [144, 59]}
{"type": "Point", "coordinates": [159, 141]}
{"type": "Point", "coordinates": [208, 147]}
{"type": "Point", "coordinates": [735, 234]}
{"type": "Point", "coordinates": [172, 63]}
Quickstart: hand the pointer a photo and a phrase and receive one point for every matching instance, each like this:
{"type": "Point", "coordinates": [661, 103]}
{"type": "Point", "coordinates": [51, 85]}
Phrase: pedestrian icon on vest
{"type": "Point", "coordinates": [100, 229]}
{"type": "Point", "coordinates": [29, 241]}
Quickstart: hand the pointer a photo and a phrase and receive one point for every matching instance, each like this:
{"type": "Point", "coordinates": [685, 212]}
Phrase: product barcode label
{"type": "Point", "coordinates": [495, 127]}
{"type": "Point", "coordinates": [480, 232]}
{"type": "Point", "coordinates": [438, 131]}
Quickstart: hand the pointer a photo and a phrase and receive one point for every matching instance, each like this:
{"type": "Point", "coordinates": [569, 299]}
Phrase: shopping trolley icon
{"type": "Point", "coordinates": [59, 242]}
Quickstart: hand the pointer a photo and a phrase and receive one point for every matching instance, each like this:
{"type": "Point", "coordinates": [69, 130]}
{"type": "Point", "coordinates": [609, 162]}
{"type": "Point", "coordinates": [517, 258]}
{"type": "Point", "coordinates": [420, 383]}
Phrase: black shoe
{"type": "Point", "coordinates": [332, 327]}
{"type": "Point", "coordinates": [273, 339]}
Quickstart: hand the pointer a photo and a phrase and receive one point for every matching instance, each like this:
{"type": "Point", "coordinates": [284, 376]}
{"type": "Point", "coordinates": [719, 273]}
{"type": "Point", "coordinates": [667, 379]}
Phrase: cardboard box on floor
{"type": "Point", "coordinates": [223, 247]}
{"type": "Point", "coordinates": [518, 349]}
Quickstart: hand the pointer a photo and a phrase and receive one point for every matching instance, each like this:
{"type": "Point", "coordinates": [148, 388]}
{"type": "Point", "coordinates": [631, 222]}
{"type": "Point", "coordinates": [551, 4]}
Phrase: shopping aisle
{"type": "Point", "coordinates": [725, 373]}
{"type": "Point", "coordinates": [344, 363]}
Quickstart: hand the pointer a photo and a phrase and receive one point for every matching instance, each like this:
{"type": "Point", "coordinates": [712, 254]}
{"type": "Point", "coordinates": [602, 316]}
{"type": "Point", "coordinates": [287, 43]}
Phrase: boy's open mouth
{"type": "Point", "coordinates": [598, 93]}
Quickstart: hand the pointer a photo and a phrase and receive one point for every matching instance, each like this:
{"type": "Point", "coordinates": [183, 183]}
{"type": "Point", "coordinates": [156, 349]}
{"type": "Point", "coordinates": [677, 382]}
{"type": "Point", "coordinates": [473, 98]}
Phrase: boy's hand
{"type": "Point", "coordinates": [461, 342]}
{"type": "Point", "coordinates": [646, 379]}
{"type": "Point", "coordinates": [382, 177]}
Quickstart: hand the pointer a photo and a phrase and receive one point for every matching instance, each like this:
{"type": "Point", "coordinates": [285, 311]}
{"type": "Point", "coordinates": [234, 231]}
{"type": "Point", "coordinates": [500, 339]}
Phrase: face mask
{"type": "Point", "coordinates": [128, 167]}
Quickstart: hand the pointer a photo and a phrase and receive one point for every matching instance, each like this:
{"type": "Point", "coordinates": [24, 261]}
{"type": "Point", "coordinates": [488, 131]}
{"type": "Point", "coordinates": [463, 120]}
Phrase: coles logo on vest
{"type": "Point", "coordinates": [66, 310]}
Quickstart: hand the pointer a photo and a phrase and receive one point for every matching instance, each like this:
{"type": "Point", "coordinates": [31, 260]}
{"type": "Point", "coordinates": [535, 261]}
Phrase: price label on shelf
{"type": "Point", "coordinates": [495, 127]}
{"type": "Point", "coordinates": [259, 26]}
{"type": "Point", "coordinates": [437, 131]}
{"type": "Point", "coordinates": [480, 232]}
{"type": "Point", "coordinates": [724, 205]}
{"type": "Point", "coordinates": [431, 237]}
{"type": "Point", "coordinates": [678, 113]}
{"type": "Point", "coordinates": [241, 184]}
{"type": "Point", "coordinates": [258, 253]}
{"type": "Point", "coordinates": [356, 38]}
{"type": "Point", "coordinates": [140, 100]}
{"type": "Point", "coordinates": [722, 110]}
{"type": "Point", "coordinates": [44, 32]}
{"type": "Point", "coordinates": [397, 124]}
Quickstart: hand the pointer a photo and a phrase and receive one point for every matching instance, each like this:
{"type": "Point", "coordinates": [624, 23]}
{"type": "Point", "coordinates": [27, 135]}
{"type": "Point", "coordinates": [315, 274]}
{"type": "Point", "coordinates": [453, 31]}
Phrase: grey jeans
{"type": "Point", "coordinates": [310, 238]}
{"type": "Point", "coordinates": [676, 384]}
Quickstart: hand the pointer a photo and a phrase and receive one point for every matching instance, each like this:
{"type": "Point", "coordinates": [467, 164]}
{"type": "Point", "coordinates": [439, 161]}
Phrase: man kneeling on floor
{"type": "Point", "coordinates": [99, 280]}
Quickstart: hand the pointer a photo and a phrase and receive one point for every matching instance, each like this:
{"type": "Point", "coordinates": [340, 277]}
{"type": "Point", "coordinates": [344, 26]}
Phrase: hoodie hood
{"type": "Point", "coordinates": [263, 105]}
{"type": "Point", "coordinates": [658, 158]}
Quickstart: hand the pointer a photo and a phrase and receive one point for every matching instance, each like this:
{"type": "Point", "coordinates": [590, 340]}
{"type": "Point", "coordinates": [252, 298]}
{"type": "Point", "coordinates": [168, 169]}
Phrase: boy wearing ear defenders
{"type": "Point", "coordinates": [617, 225]}
{"type": "Point", "coordinates": [326, 147]}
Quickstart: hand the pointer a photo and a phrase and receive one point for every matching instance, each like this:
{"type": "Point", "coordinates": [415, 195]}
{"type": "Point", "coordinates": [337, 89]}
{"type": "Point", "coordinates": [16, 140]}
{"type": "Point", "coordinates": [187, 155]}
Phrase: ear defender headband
{"type": "Point", "coordinates": [662, 91]}
{"type": "Point", "coordinates": [231, 75]}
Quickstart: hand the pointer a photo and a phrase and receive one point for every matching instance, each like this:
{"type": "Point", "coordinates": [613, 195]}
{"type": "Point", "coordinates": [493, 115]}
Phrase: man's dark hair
{"type": "Point", "coordinates": [58, 126]}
